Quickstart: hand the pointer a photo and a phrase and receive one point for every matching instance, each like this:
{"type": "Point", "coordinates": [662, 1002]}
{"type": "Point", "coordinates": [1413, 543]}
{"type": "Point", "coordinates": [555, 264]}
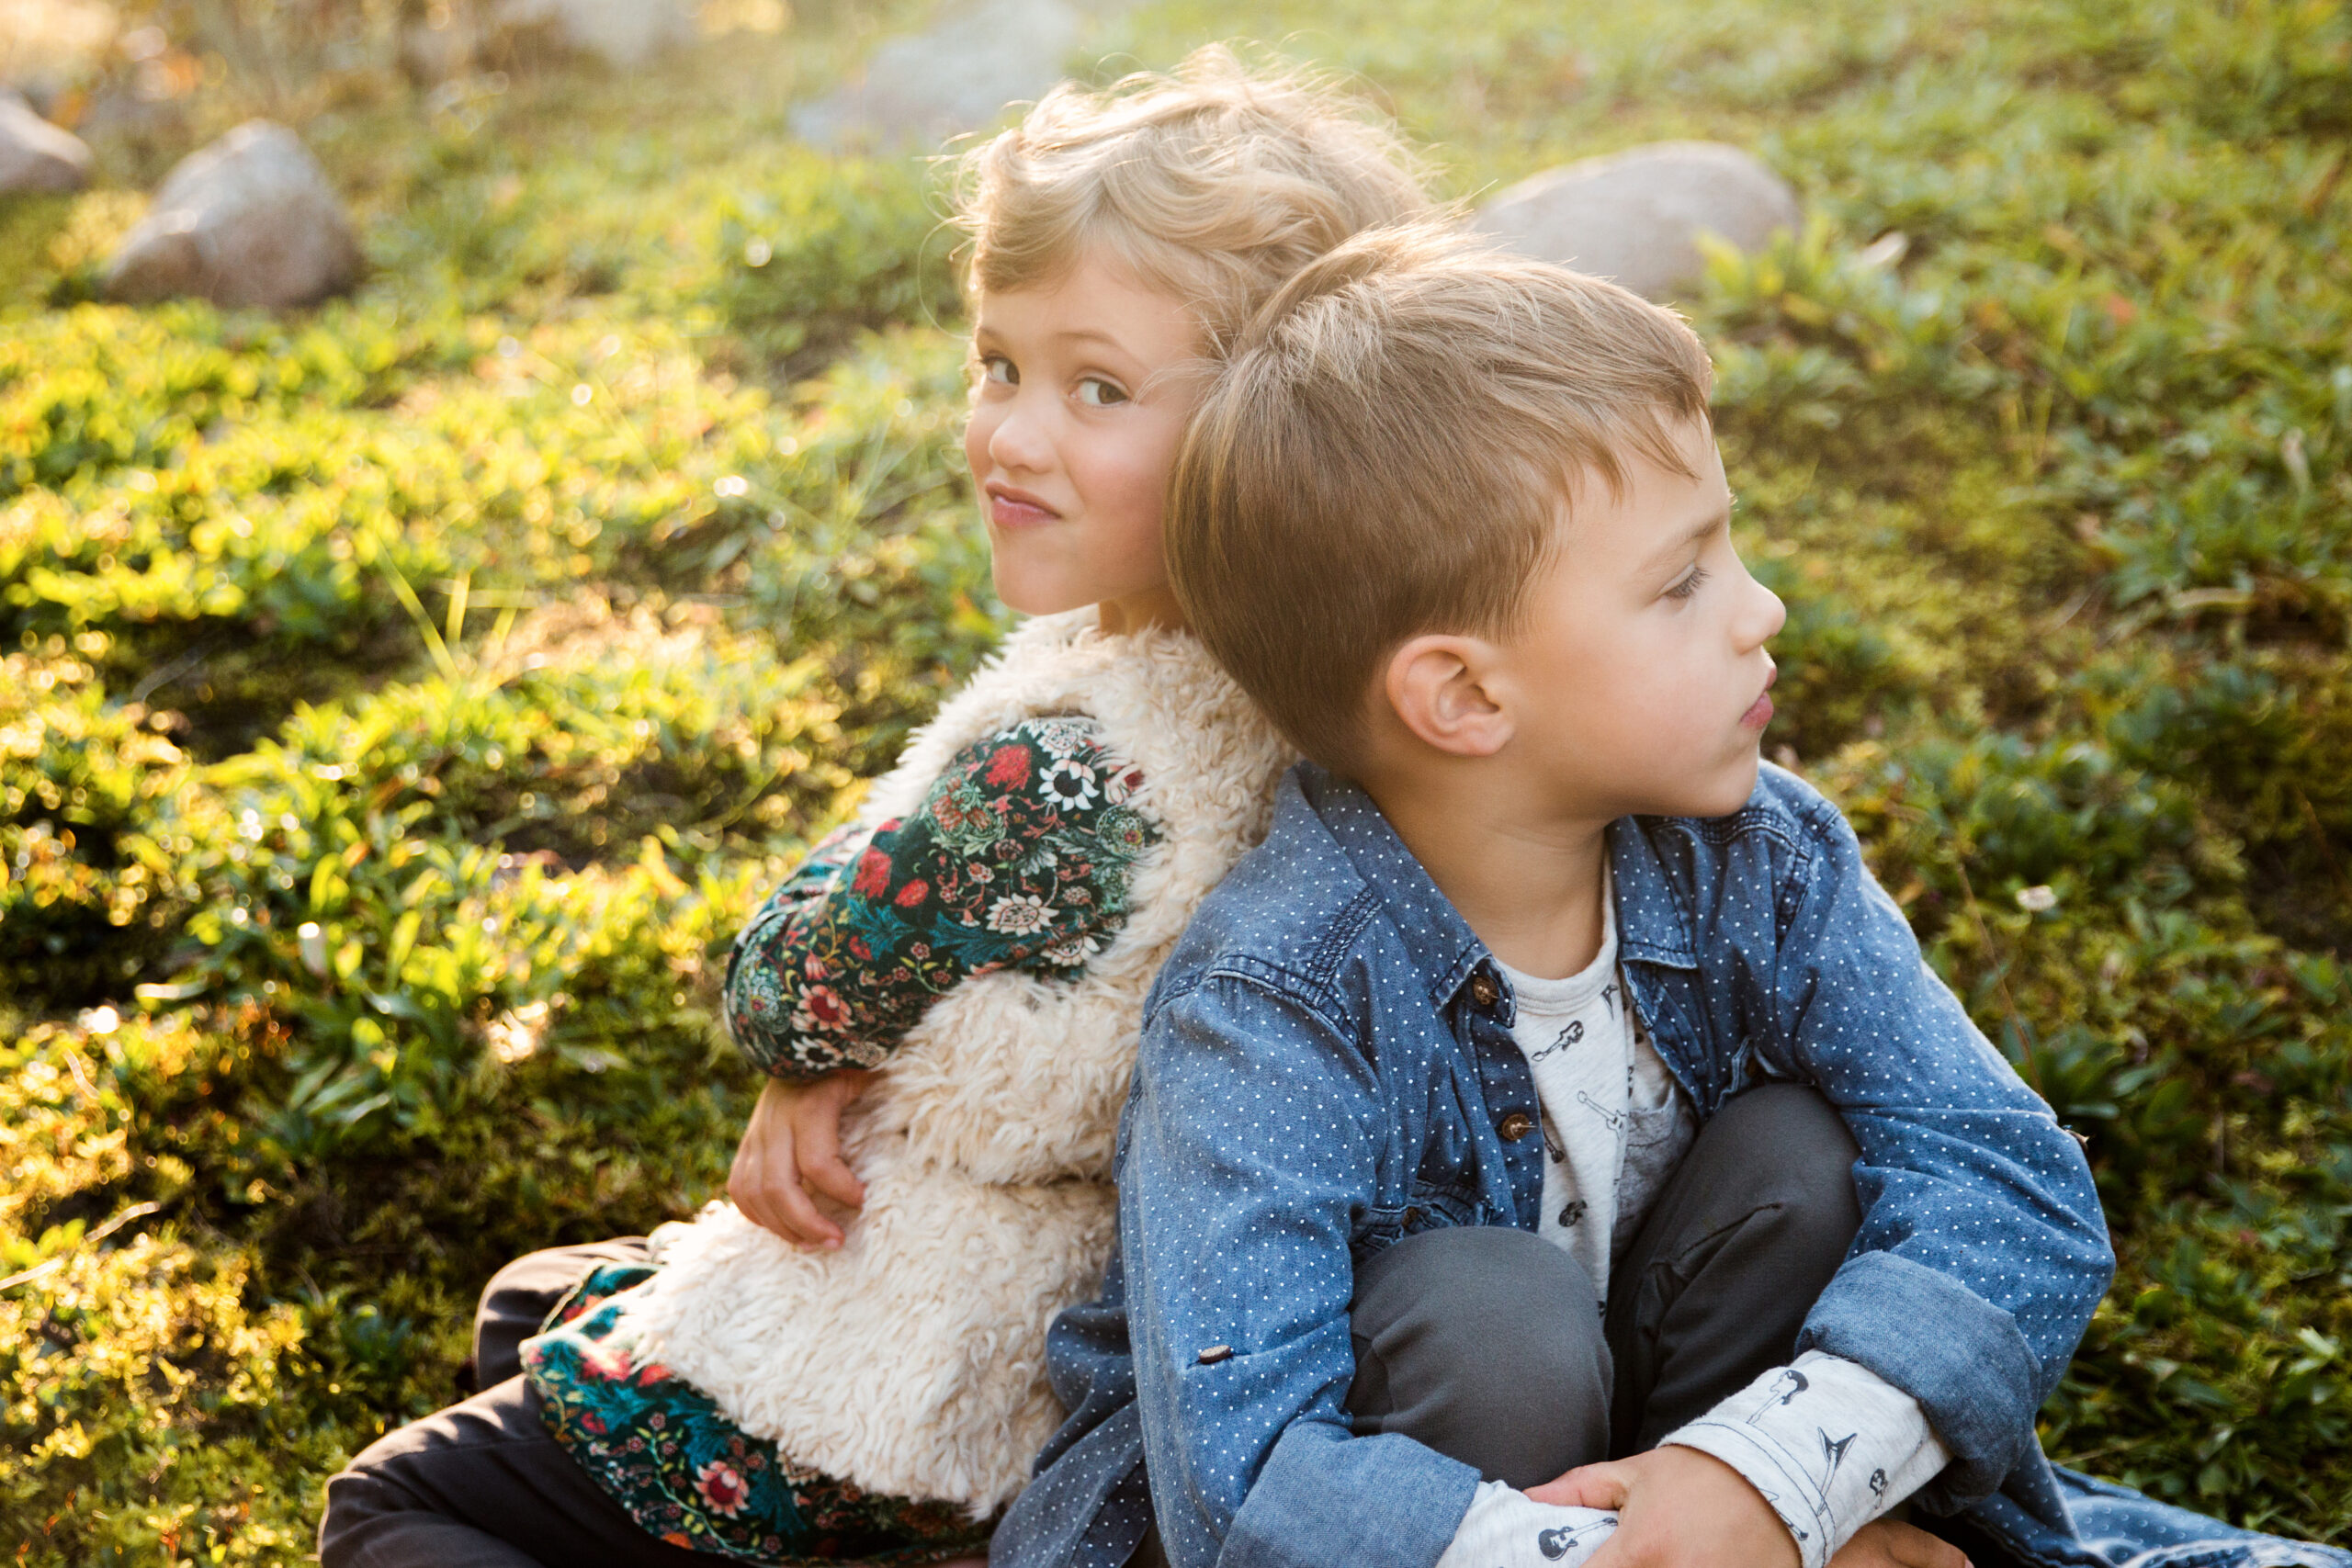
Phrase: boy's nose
{"type": "Point", "coordinates": [1765, 616]}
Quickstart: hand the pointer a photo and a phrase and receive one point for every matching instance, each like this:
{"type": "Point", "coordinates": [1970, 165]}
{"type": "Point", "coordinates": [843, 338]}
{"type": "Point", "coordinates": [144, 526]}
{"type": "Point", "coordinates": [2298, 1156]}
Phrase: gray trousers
{"type": "Point", "coordinates": [1482, 1342]}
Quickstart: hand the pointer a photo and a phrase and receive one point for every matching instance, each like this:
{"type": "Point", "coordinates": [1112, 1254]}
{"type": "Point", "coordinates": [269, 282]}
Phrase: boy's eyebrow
{"type": "Point", "coordinates": [1705, 528]}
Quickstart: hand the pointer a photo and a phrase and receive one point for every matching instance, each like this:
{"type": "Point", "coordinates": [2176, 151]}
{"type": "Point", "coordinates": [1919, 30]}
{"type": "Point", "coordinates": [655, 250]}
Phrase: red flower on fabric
{"type": "Point", "coordinates": [873, 874]}
{"type": "Point", "coordinates": [592, 1422]}
{"type": "Point", "coordinates": [1009, 768]}
{"type": "Point", "coordinates": [913, 894]}
{"type": "Point", "coordinates": [859, 950]}
{"type": "Point", "coordinates": [825, 1007]}
{"type": "Point", "coordinates": [722, 1488]}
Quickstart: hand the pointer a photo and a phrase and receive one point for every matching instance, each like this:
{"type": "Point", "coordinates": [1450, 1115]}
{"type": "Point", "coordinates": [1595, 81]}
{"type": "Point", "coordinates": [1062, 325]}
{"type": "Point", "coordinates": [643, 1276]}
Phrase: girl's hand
{"type": "Point", "coordinates": [792, 1147]}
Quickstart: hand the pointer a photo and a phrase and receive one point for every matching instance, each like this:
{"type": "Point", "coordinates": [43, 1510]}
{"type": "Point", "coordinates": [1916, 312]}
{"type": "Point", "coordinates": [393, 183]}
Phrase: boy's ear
{"type": "Point", "coordinates": [1437, 686]}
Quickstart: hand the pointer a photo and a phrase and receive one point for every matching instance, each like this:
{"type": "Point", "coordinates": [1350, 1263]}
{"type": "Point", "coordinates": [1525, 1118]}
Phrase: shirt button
{"type": "Point", "coordinates": [1515, 1126]}
{"type": "Point", "coordinates": [1483, 990]}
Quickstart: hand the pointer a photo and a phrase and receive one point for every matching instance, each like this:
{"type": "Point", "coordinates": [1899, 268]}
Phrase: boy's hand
{"type": "Point", "coordinates": [1677, 1508]}
{"type": "Point", "coordinates": [794, 1145]}
{"type": "Point", "coordinates": [1888, 1543]}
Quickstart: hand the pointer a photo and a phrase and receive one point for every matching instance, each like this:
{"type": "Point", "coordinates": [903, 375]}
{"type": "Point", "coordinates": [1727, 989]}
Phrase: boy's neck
{"type": "Point", "coordinates": [1528, 887]}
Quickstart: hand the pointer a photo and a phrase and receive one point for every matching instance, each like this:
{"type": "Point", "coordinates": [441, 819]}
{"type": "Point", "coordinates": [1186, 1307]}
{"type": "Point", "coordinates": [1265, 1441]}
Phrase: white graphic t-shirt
{"type": "Point", "coordinates": [1615, 1124]}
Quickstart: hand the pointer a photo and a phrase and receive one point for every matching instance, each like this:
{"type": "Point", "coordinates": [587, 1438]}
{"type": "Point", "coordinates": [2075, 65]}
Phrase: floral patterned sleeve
{"type": "Point", "coordinates": [1019, 857]}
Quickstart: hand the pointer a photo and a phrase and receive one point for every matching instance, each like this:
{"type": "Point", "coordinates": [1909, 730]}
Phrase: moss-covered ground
{"type": "Point", "coordinates": [507, 626]}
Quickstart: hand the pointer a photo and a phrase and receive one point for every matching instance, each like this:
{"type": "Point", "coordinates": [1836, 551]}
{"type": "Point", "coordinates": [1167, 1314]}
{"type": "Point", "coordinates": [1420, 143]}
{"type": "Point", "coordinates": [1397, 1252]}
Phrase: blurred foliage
{"type": "Point", "coordinates": [403, 703]}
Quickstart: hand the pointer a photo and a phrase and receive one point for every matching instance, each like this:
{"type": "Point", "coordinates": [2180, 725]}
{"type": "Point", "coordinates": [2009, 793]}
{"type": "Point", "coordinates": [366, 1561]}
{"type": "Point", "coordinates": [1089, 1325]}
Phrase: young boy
{"type": "Point", "coordinates": [1550, 1144]}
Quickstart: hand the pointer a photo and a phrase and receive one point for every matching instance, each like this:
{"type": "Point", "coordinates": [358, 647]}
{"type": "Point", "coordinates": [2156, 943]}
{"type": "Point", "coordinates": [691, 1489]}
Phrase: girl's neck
{"type": "Point", "coordinates": [1141, 612]}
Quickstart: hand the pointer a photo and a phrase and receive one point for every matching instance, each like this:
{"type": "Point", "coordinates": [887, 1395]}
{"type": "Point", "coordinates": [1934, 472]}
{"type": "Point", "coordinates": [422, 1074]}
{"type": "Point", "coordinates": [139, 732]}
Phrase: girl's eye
{"type": "Point", "coordinates": [1689, 583]}
{"type": "Point", "coordinates": [998, 368]}
{"type": "Point", "coordinates": [1095, 393]}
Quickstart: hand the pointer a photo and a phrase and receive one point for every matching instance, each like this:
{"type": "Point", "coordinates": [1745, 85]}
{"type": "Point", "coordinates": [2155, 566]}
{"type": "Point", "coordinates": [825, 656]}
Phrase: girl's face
{"type": "Point", "coordinates": [1077, 404]}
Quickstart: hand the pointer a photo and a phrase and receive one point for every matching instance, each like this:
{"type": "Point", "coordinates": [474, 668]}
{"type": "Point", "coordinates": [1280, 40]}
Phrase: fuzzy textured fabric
{"type": "Point", "coordinates": [911, 1362]}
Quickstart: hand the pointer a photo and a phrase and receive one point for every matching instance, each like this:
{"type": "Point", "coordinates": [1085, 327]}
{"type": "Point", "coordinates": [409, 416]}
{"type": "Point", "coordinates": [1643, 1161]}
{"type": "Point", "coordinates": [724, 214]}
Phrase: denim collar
{"type": "Point", "coordinates": [1444, 950]}
{"type": "Point", "coordinates": [1652, 925]}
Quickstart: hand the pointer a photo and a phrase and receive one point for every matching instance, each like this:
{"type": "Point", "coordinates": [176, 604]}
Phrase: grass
{"type": "Point", "coordinates": [405, 703]}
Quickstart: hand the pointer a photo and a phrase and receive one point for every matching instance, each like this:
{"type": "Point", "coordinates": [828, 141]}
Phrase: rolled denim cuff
{"type": "Point", "coordinates": [1956, 1353]}
{"type": "Point", "coordinates": [1325, 1496]}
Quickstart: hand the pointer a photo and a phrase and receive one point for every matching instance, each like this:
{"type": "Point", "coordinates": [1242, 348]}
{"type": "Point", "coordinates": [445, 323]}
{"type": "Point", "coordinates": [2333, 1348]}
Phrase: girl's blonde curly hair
{"type": "Point", "coordinates": [1212, 185]}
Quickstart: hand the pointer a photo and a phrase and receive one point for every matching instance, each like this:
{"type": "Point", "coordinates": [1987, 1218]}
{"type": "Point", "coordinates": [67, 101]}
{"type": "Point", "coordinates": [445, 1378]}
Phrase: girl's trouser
{"type": "Point", "coordinates": [483, 1485]}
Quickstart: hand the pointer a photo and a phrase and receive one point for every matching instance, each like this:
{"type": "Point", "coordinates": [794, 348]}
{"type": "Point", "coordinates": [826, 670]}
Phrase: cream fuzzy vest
{"type": "Point", "coordinates": [911, 1362]}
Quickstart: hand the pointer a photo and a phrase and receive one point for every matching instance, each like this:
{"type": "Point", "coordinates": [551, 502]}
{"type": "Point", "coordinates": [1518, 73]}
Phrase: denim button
{"type": "Point", "coordinates": [1483, 990]}
{"type": "Point", "coordinates": [1515, 1126]}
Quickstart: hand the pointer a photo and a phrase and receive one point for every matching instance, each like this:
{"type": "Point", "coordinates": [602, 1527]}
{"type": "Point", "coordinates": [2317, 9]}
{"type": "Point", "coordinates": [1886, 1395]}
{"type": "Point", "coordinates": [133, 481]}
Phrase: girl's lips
{"type": "Point", "coordinates": [1009, 508]}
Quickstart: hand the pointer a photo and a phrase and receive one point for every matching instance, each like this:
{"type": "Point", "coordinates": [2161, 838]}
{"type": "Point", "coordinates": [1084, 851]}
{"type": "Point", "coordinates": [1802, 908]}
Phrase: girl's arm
{"type": "Point", "coordinates": [1020, 856]}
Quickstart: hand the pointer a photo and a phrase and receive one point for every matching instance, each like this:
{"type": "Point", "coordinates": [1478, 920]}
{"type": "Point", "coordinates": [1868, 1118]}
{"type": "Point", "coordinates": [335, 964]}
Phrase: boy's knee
{"type": "Point", "coordinates": [1793, 1152]}
{"type": "Point", "coordinates": [1484, 1343]}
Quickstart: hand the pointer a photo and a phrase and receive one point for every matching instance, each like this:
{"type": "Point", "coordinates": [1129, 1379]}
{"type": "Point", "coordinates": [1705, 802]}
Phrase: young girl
{"type": "Point", "coordinates": [957, 978]}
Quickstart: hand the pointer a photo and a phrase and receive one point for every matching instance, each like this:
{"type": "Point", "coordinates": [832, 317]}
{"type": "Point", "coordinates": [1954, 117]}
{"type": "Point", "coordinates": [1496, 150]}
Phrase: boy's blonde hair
{"type": "Point", "coordinates": [1212, 185]}
{"type": "Point", "coordinates": [1389, 450]}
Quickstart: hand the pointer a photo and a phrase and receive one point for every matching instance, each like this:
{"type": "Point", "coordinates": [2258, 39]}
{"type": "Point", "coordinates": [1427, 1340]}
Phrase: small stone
{"type": "Point", "coordinates": [250, 220]}
{"type": "Point", "coordinates": [955, 77]}
{"type": "Point", "coordinates": [36, 155]}
{"type": "Point", "coordinates": [624, 33]}
{"type": "Point", "coordinates": [1634, 217]}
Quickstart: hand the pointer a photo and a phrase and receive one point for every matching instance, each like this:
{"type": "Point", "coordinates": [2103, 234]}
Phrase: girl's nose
{"type": "Point", "coordinates": [1019, 441]}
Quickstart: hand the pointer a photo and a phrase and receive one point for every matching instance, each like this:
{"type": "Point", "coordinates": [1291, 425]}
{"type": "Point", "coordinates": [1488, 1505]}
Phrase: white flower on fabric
{"type": "Point", "coordinates": [1071, 952]}
{"type": "Point", "coordinates": [1069, 784]}
{"type": "Point", "coordinates": [1061, 737]}
{"type": "Point", "coordinates": [1020, 914]}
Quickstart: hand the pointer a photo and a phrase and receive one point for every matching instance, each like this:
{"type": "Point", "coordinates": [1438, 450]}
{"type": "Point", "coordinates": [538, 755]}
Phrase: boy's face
{"type": "Point", "coordinates": [1073, 430]}
{"type": "Point", "coordinates": [1638, 684]}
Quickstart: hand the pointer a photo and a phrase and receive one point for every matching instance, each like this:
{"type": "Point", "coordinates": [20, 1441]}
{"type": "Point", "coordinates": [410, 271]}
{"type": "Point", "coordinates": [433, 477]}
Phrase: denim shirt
{"type": "Point", "coordinates": [1326, 1068]}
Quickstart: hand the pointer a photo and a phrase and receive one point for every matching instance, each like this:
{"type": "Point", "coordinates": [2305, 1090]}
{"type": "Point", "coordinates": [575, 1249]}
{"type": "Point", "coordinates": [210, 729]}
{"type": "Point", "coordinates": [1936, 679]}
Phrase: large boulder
{"type": "Point", "coordinates": [1635, 216]}
{"type": "Point", "coordinates": [248, 220]}
{"type": "Point", "coordinates": [624, 33]}
{"type": "Point", "coordinates": [956, 76]}
{"type": "Point", "coordinates": [35, 154]}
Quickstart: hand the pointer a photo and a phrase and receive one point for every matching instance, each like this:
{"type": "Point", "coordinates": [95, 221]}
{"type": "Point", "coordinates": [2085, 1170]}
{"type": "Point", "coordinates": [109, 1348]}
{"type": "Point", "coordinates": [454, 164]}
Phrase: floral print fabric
{"type": "Point", "coordinates": [1019, 857]}
{"type": "Point", "coordinates": [688, 1475]}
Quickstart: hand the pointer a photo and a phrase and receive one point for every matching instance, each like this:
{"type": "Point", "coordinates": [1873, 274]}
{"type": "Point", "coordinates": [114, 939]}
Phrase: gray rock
{"type": "Point", "coordinates": [1635, 216]}
{"type": "Point", "coordinates": [625, 33]}
{"type": "Point", "coordinates": [957, 75]}
{"type": "Point", "coordinates": [248, 220]}
{"type": "Point", "coordinates": [35, 154]}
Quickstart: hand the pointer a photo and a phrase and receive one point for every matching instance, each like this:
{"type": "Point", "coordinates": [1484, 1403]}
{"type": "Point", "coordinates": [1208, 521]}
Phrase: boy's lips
{"type": "Point", "coordinates": [1759, 712]}
{"type": "Point", "coordinates": [1012, 508]}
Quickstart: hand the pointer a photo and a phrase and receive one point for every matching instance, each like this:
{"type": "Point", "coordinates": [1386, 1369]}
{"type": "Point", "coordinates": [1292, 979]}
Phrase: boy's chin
{"type": "Point", "coordinates": [1724, 795]}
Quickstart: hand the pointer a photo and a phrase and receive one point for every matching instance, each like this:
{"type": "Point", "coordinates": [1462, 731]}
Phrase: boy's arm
{"type": "Point", "coordinates": [1982, 1250]}
{"type": "Point", "coordinates": [1018, 857]}
{"type": "Point", "coordinates": [1252, 1142]}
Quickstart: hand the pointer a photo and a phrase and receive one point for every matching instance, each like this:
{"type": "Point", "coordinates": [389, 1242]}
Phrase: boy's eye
{"type": "Point", "coordinates": [1095, 393]}
{"type": "Point", "coordinates": [1689, 584]}
{"type": "Point", "coordinates": [998, 368]}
